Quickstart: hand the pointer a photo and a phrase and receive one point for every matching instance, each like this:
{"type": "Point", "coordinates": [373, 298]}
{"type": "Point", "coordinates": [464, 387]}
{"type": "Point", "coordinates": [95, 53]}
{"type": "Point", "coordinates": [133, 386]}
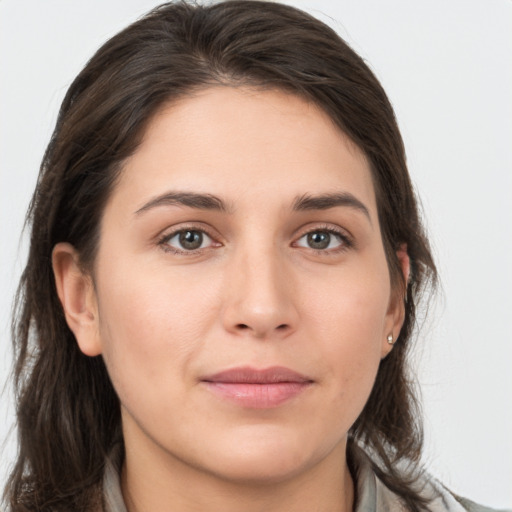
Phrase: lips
{"type": "Point", "coordinates": [255, 388]}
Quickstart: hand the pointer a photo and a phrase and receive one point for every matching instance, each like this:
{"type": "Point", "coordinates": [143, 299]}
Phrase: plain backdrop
{"type": "Point", "coordinates": [446, 65]}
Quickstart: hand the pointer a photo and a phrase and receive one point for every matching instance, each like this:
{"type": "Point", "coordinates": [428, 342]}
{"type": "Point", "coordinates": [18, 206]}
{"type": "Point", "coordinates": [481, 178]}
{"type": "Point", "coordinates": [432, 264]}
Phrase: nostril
{"type": "Point", "coordinates": [243, 327]}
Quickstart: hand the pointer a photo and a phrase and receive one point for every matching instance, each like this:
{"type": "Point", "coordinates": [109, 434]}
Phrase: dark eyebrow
{"type": "Point", "coordinates": [326, 201]}
{"type": "Point", "coordinates": [190, 199]}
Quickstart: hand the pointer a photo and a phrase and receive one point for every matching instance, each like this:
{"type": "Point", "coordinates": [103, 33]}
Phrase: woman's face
{"type": "Point", "coordinates": [241, 295]}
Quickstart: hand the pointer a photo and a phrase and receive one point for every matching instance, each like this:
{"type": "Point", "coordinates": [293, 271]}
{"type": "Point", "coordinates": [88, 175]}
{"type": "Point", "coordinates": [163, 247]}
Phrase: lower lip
{"type": "Point", "coordinates": [258, 396]}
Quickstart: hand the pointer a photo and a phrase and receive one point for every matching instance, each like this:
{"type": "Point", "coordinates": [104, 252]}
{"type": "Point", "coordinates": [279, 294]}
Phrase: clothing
{"type": "Point", "coordinates": [372, 494]}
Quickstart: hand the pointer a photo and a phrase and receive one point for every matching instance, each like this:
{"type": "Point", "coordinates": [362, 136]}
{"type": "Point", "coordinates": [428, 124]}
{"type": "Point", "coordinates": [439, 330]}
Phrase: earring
{"type": "Point", "coordinates": [390, 339]}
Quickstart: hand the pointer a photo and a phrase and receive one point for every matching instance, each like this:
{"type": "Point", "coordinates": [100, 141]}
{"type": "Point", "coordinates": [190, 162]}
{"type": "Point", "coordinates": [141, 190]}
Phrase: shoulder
{"type": "Point", "coordinates": [471, 506]}
{"type": "Point", "coordinates": [445, 500]}
{"type": "Point", "coordinates": [374, 496]}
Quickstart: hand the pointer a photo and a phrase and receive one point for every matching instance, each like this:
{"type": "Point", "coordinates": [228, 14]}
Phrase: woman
{"type": "Point", "coordinates": [225, 263]}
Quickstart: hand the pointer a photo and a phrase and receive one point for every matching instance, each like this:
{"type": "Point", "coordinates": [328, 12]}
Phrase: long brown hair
{"type": "Point", "coordinates": [67, 410]}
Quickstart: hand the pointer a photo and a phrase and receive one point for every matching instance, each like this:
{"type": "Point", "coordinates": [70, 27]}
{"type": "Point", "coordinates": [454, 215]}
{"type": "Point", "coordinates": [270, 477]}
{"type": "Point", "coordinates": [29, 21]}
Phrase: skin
{"type": "Point", "coordinates": [254, 294]}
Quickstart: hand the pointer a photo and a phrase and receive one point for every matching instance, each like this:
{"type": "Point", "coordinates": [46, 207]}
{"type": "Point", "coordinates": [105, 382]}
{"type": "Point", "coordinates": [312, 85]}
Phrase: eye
{"type": "Point", "coordinates": [187, 240]}
{"type": "Point", "coordinates": [322, 240]}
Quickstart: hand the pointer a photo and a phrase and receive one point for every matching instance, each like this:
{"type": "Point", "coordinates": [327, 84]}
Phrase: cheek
{"type": "Point", "coordinates": [350, 306]}
{"type": "Point", "coordinates": [151, 327]}
{"type": "Point", "coordinates": [347, 318]}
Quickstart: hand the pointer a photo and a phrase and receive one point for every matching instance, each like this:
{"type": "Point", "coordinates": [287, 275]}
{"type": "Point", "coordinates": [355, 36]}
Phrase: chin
{"type": "Point", "coordinates": [263, 458]}
{"type": "Point", "coordinates": [272, 469]}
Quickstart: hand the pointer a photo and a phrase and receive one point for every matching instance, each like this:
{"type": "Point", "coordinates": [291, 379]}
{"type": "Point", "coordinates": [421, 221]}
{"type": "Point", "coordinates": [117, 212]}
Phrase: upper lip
{"type": "Point", "coordinates": [249, 375]}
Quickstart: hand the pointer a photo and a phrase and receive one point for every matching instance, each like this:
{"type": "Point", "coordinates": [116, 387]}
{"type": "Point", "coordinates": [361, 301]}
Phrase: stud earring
{"type": "Point", "coordinates": [390, 339]}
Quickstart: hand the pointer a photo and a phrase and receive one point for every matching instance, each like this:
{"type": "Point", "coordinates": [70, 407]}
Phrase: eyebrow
{"type": "Point", "coordinates": [190, 199]}
{"type": "Point", "coordinates": [308, 202]}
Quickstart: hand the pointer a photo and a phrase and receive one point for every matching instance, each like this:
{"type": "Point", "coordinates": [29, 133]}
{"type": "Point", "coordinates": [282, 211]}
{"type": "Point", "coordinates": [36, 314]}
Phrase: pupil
{"type": "Point", "coordinates": [191, 239]}
{"type": "Point", "coordinates": [319, 240]}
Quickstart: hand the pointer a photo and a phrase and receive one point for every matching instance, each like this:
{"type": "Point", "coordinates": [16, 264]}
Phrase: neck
{"type": "Point", "coordinates": [153, 484]}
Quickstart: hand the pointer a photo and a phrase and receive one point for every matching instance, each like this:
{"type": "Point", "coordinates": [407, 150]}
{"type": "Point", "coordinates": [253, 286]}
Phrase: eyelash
{"type": "Point", "coordinates": [346, 241]}
{"type": "Point", "coordinates": [163, 242]}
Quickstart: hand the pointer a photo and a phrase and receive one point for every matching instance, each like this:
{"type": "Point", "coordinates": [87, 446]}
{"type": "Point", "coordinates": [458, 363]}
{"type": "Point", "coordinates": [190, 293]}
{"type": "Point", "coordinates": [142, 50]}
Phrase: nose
{"type": "Point", "coordinates": [260, 296]}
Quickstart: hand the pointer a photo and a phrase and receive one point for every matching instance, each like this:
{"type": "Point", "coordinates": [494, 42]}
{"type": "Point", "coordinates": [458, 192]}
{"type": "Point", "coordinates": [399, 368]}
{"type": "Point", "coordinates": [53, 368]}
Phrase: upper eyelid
{"type": "Point", "coordinates": [331, 228]}
{"type": "Point", "coordinates": [169, 232]}
{"type": "Point", "coordinates": [173, 234]}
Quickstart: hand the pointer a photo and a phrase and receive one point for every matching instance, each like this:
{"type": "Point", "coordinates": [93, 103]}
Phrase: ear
{"type": "Point", "coordinates": [396, 313]}
{"type": "Point", "coordinates": [78, 298]}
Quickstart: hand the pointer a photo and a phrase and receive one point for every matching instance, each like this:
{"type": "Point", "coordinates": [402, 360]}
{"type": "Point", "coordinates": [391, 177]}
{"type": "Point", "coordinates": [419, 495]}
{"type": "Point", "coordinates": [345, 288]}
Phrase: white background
{"type": "Point", "coordinates": [446, 65]}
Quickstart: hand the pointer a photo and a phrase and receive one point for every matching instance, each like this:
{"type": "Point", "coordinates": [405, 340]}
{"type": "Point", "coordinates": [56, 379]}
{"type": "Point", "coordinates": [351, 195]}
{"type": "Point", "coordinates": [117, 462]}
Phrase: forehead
{"type": "Point", "coordinates": [240, 143]}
